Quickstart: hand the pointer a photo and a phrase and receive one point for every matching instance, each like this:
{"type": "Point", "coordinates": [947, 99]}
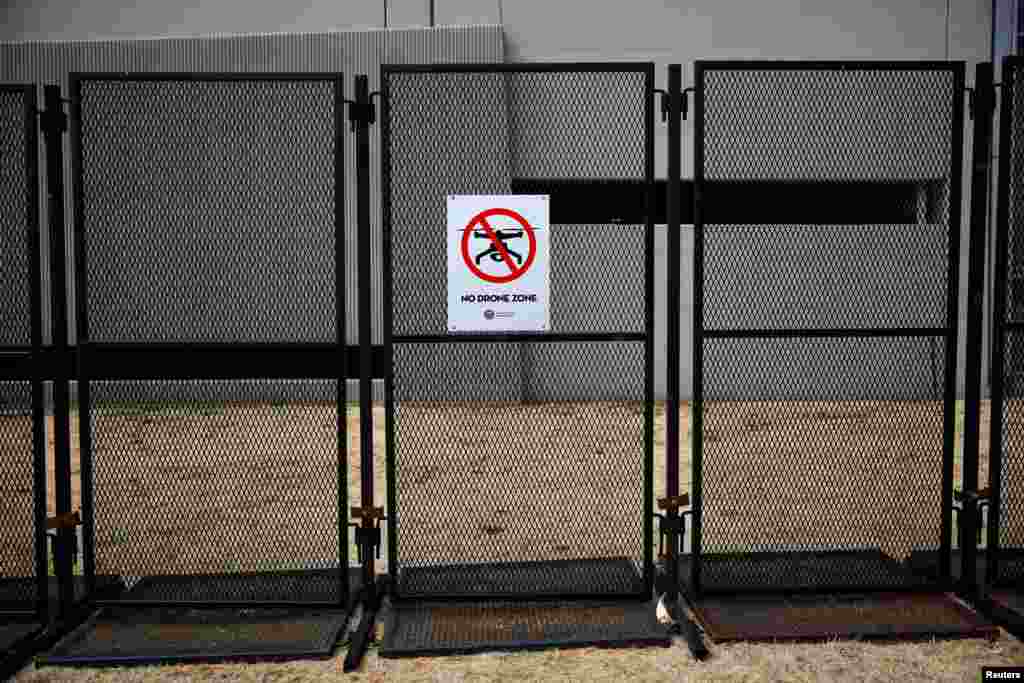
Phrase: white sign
{"type": "Point", "coordinates": [498, 255]}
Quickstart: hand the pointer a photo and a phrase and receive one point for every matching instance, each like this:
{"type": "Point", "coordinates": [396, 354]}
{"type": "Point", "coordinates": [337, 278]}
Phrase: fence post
{"type": "Point", "coordinates": [54, 125]}
{"type": "Point", "coordinates": [671, 503]}
{"type": "Point", "coordinates": [982, 110]}
{"type": "Point", "coordinates": [999, 329]}
{"type": "Point", "coordinates": [368, 535]}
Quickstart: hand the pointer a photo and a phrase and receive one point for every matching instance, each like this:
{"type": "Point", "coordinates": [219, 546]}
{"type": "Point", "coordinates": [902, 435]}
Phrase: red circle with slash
{"type": "Point", "coordinates": [481, 220]}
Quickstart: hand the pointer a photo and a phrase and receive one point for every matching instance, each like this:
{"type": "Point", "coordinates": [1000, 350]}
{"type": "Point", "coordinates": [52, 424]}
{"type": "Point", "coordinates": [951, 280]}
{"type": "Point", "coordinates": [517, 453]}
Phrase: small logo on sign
{"type": "Point", "coordinates": [489, 314]}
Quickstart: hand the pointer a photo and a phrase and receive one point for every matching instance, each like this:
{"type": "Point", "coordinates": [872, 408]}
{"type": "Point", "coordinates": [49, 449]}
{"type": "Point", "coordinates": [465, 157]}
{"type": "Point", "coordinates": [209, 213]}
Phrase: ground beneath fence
{"type": "Point", "coordinates": [943, 661]}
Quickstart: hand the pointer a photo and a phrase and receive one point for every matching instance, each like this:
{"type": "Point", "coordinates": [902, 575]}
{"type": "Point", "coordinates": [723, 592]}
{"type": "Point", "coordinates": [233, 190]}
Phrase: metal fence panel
{"type": "Point", "coordinates": [208, 213]}
{"type": "Point", "coordinates": [1005, 552]}
{"type": "Point", "coordinates": [824, 354]}
{"type": "Point", "coordinates": [22, 456]}
{"type": "Point", "coordinates": [518, 465]}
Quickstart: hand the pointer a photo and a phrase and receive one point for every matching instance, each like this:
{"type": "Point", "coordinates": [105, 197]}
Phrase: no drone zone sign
{"type": "Point", "coordinates": [498, 256]}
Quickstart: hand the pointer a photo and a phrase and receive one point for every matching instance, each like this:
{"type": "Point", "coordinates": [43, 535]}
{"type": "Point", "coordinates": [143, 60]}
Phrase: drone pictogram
{"type": "Point", "coordinates": [498, 249]}
{"type": "Point", "coordinates": [492, 249]}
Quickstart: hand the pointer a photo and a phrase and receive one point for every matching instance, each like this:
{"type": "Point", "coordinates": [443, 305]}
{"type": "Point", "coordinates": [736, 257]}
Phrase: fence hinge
{"type": "Point", "coordinates": [368, 536]}
{"type": "Point", "coordinates": [53, 120]}
{"type": "Point", "coordinates": [673, 503]}
{"type": "Point", "coordinates": [362, 113]}
{"type": "Point", "coordinates": [684, 103]}
{"type": "Point", "coordinates": [981, 101]}
{"type": "Point", "coordinates": [68, 520]}
{"type": "Point", "coordinates": [975, 502]}
{"type": "Point", "coordinates": [666, 103]}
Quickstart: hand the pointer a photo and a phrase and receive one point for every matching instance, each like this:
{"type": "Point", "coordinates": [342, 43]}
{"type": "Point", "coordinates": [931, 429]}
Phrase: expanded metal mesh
{"type": "Point", "coordinates": [17, 494]}
{"type": "Point", "coordinates": [222, 479]}
{"type": "Point", "coordinates": [824, 353]}
{"type": "Point", "coordinates": [1008, 407]}
{"type": "Point", "coordinates": [21, 490]}
{"type": "Point", "coordinates": [208, 208]}
{"type": "Point", "coordinates": [425, 629]}
{"type": "Point", "coordinates": [143, 636]}
{"type": "Point", "coordinates": [519, 468]}
{"type": "Point", "coordinates": [15, 198]}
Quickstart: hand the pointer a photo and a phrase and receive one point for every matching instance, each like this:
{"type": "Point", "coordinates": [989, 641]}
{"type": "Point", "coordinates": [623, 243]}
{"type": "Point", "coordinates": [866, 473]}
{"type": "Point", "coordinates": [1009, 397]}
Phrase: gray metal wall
{"type": "Point", "coordinates": [663, 31]}
{"type": "Point", "coordinates": [354, 52]}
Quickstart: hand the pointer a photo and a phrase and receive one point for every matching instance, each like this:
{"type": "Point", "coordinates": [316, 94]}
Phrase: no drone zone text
{"type": "Point", "coordinates": [499, 298]}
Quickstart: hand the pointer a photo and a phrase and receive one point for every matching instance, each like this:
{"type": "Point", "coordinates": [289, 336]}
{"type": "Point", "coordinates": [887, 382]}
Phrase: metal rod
{"type": "Point", "coordinates": [520, 338]}
{"type": "Point", "coordinates": [82, 338]}
{"type": "Point", "coordinates": [54, 125]}
{"type": "Point", "coordinates": [36, 338]}
{"type": "Point", "coordinates": [364, 634]}
{"type": "Point", "coordinates": [980, 163]}
{"type": "Point", "coordinates": [362, 98]}
{"type": "Point", "coordinates": [672, 274]}
{"type": "Point", "coordinates": [648, 519]}
{"type": "Point", "coordinates": [341, 388]}
{"type": "Point", "coordinates": [826, 333]}
{"type": "Point", "coordinates": [697, 421]}
{"type": "Point", "coordinates": [1000, 329]}
{"type": "Point", "coordinates": [953, 195]}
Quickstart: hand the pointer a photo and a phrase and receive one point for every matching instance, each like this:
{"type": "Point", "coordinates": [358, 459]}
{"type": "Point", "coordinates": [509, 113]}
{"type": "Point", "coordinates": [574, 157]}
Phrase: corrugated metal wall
{"type": "Point", "coordinates": [351, 53]}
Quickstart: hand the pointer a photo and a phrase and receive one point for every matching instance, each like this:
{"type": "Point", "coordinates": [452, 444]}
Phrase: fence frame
{"type": "Point", "coordinates": [957, 69]}
{"type": "Point", "coordinates": [207, 361]}
{"type": "Point", "coordinates": [25, 363]}
{"type": "Point", "coordinates": [389, 339]}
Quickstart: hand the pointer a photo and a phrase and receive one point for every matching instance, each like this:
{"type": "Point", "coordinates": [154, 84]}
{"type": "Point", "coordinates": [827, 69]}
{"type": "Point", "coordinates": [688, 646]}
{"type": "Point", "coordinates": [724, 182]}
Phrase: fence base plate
{"type": "Point", "coordinates": [17, 643]}
{"type": "Point", "coordinates": [126, 635]}
{"type": "Point", "coordinates": [14, 631]}
{"type": "Point", "coordinates": [433, 628]}
{"type": "Point", "coordinates": [548, 579]}
{"type": "Point", "coordinates": [815, 617]}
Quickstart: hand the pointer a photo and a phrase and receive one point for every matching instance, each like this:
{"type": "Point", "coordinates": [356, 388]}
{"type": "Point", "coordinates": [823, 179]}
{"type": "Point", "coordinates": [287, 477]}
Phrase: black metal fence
{"type": "Point", "coordinates": [1005, 549]}
{"type": "Point", "coordinates": [519, 464]}
{"type": "Point", "coordinates": [824, 355]}
{"type": "Point", "coordinates": [208, 228]}
{"type": "Point", "coordinates": [23, 564]}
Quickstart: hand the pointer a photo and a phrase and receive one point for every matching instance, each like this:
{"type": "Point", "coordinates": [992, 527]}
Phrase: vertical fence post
{"type": "Point", "coordinates": [54, 125]}
{"type": "Point", "coordinates": [697, 401]}
{"type": "Point", "coordinates": [362, 100]}
{"type": "Point", "coordinates": [998, 327]}
{"type": "Point", "coordinates": [36, 336]}
{"type": "Point", "coordinates": [983, 97]}
{"type": "Point", "coordinates": [368, 529]}
{"type": "Point", "coordinates": [674, 180]}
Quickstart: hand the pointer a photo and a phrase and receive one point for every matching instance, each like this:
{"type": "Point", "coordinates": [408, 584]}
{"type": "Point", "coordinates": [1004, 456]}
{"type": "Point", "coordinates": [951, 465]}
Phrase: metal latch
{"type": "Point", "coordinates": [672, 524]}
{"type": "Point", "coordinates": [979, 499]}
{"type": "Point", "coordinates": [64, 522]}
{"type": "Point", "coordinates": [368, 535]}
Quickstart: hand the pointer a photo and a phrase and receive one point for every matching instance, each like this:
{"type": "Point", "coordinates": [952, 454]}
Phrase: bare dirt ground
{"type": "Point", "coordinates": [875, 444]}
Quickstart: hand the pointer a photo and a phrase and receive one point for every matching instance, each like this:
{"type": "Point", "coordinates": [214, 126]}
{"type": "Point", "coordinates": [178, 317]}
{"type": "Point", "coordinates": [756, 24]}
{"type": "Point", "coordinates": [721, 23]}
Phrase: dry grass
{"type": "Point", "coordinates": [931, 661]}
{"type": "Point", "coordinates": [952, 661]}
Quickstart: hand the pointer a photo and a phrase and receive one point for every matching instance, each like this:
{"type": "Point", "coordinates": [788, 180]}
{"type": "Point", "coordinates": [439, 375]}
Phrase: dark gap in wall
{"type": "Point", "coordinates": [738, 202]}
